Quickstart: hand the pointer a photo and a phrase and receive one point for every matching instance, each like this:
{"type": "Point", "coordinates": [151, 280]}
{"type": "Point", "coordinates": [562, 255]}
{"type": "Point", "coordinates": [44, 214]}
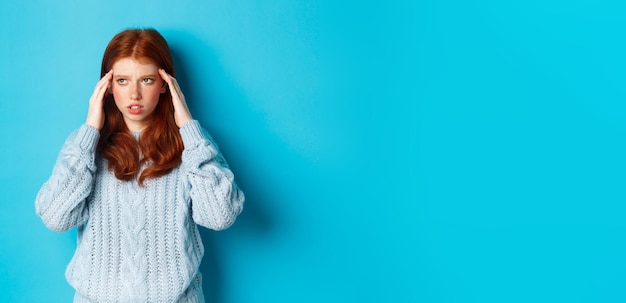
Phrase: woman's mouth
{"type": "Point", "coordinates": [135, 109]}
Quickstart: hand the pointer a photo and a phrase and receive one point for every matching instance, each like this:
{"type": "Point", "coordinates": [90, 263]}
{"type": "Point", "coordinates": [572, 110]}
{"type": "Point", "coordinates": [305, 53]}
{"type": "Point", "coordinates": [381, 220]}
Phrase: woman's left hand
{"type": "Point", "coordinates": [181, 111]}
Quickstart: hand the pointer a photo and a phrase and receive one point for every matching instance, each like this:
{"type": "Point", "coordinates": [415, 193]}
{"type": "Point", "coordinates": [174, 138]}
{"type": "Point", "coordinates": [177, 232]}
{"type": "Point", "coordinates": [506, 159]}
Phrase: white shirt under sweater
{"type": "Point", "coordinates": [138, 244]}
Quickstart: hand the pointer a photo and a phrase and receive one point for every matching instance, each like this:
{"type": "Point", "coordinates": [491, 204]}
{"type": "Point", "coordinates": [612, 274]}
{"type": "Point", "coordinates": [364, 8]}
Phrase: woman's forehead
{"type": "Point", "coordinates": [131, 65]}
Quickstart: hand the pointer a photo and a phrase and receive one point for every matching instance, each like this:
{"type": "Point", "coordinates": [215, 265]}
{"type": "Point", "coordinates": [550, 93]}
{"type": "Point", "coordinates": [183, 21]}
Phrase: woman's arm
{"type": "Point", "coordinates": [61, 200]}
{"type": "Point", "coordinates": [215, 198]}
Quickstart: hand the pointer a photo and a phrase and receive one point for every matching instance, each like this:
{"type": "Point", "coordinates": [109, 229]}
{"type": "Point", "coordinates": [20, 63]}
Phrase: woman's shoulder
{"type": "Point", "coordinates": [85, 137]}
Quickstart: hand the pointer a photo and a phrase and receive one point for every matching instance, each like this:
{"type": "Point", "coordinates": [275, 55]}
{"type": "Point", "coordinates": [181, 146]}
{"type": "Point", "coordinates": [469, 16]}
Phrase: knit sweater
{"type": "Point", "coordinates": [138, 243]}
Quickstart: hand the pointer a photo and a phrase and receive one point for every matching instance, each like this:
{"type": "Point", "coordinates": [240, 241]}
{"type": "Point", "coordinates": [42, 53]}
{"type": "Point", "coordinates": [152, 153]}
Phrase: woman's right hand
{"type": "Point", "coordinates": [95, 115]}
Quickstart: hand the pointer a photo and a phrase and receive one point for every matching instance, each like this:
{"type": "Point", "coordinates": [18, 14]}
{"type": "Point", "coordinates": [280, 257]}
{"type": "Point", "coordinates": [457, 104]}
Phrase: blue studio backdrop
{"type": "Point", "coordinates": [397, 151]}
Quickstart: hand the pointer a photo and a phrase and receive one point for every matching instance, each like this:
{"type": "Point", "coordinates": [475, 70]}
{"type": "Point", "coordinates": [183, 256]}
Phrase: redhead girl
{"type": "Point", "coordinates": [136, 179]}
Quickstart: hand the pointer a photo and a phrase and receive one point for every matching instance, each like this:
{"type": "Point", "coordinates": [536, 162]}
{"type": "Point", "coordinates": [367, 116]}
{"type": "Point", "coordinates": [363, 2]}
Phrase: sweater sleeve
{"type": "Point", "coordinates": [61, 200]}
{"type": "Point", "coordinates": [215, 198]}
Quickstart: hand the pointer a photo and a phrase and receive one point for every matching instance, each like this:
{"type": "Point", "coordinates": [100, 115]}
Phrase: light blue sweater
{"type": "Point", "coordinates": [138, 244]}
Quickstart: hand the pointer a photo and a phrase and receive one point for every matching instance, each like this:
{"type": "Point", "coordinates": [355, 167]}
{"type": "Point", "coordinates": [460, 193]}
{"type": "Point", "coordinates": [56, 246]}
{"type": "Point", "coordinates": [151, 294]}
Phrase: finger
{"type": "Point", "coordinates": [175, 90]}
{"type": "Point", "coordinates": [168, 80]}
{"type": "Point", "coordinates": [109, 81]}
{"type": "Point", "coordinates": [107, 76]}
{"type": "Point", "coordinates": [105, 80]}
{"type": "Point", "coordinates": [171, 81]}
{"type": "Point", "coordinates": [166, 77]}
{"type": "Point", "coordinates": [102, 86]}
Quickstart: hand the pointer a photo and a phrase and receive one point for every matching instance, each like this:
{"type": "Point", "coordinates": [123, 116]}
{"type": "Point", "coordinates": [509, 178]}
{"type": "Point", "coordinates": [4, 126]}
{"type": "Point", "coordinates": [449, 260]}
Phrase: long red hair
{"type": "Point", "coordinates": [160, 145]}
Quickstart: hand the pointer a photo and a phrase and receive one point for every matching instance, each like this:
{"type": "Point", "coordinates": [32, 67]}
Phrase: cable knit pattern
{"type": "Point", "coordinates": [138, 244]}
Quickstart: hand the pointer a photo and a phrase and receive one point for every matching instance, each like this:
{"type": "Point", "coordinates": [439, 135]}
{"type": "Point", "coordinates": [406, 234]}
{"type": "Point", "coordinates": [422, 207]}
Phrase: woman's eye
{"type": "Point", "coordinates": [121, 81]}
{"type": "Point", "coordinates": [148, 80]}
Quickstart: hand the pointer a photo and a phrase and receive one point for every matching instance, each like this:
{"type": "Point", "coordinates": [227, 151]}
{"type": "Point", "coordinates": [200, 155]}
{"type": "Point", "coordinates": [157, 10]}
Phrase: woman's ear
{"type": "Point", "coordinates": [164, 87]}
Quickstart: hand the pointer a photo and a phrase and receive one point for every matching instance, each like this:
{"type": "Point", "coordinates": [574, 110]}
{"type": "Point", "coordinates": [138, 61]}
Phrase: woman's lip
{"type": "Point", "coordinates": [135, 109]}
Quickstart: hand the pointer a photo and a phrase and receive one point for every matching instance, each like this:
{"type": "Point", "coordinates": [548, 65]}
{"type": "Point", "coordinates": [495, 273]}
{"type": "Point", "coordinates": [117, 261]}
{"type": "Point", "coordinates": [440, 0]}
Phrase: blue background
{"type": "Point", "coordinates": [396, 151]}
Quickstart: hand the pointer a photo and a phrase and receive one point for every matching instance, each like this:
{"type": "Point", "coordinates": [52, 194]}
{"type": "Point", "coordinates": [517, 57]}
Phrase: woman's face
{"type": "Point", "coordinates": [136, 89]}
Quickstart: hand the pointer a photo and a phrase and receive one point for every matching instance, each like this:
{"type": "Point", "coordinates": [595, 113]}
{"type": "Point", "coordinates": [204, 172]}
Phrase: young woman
{"type": "Point", "coordinates": [136, 179]}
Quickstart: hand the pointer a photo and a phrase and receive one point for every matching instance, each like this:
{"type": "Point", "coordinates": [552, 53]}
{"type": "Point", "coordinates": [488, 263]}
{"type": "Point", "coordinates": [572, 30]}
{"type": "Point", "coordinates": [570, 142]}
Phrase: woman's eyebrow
{"type": "Point", "coordinates": [141, 76]}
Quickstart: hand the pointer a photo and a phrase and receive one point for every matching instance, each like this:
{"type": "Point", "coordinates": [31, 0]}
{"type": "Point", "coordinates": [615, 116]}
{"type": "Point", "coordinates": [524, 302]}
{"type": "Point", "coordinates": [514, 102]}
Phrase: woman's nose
{"type": "Point", "coordinates": [135, 92]}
